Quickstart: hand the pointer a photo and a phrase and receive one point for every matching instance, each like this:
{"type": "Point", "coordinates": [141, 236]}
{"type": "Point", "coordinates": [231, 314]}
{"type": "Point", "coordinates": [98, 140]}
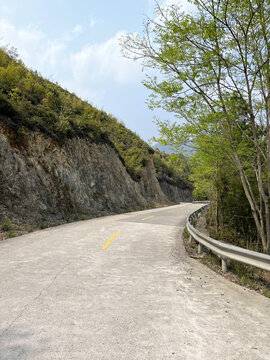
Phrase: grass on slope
{"type": "Point", "coordinates": [27, 100]}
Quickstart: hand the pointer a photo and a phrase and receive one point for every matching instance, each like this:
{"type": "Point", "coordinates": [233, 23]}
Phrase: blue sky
{"type": "Point", "coordinates": [76, 43]}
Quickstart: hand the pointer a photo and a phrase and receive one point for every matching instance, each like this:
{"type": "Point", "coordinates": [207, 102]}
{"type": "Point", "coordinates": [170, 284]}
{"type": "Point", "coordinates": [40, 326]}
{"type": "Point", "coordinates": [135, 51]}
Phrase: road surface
{"type": "Point", "coordinates": [122, 287]}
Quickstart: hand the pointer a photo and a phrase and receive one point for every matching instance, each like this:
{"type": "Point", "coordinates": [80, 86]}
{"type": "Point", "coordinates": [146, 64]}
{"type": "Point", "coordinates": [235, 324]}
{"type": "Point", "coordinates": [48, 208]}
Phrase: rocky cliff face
{"type": "Point", "coordinates": [173, 191]}
{"type": "Point", "coordinates": [43, 181]}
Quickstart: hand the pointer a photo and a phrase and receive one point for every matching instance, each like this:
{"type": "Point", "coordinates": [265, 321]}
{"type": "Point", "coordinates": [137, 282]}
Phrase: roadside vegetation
{"type": "Point", "coordinates": [176, 167]}
{"type": "Point", "coordinates": [247, 276]}
{"type": "Point", "coordinates": [214, 71]}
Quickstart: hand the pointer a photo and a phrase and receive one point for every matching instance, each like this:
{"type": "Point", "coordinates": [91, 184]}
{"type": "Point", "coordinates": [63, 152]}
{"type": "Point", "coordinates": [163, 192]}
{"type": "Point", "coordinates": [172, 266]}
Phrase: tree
{"type": "Point", "coordinates": [214, 71]}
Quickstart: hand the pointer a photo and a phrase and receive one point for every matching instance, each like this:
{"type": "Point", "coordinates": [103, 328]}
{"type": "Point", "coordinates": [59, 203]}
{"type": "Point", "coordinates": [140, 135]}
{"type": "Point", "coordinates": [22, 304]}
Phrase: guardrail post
{"type": "Point", "coordinates": [224, 262]}
{"type": "Point", "coordinates": [200, 248]}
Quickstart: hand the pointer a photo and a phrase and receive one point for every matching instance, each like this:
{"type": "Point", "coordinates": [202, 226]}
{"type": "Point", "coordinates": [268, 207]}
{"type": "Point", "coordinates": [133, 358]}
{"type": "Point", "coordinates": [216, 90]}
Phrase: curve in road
{"type": "Point", "coordinates": [122, 287]}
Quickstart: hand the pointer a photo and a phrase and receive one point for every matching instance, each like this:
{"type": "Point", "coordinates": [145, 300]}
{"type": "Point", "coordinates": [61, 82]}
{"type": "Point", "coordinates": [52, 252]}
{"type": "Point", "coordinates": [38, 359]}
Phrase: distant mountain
{"type": "Point", "coordinates": [162, 148]}
{"type": "Point", "coordinates": [167, 149]}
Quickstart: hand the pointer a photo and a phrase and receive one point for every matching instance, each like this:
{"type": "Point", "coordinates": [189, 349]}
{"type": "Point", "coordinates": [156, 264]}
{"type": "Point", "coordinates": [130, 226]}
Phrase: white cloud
{"type": "Point", "coordinates": [92, 22]}
{"type": "Point", "coordinates": [104, 61]}
{"type": "Point", "coordinates": [78, 28]}
{"type": "Point", "coordinates": [34, 47]}
{"type": "Point", "coordinates": [53, 53]}
{"type": "Point", "coordinates": [28, 40]}
{"type": "Point", "coordinates": [19, 37]}
{"type": "Point", "coordinates": [87, 72]}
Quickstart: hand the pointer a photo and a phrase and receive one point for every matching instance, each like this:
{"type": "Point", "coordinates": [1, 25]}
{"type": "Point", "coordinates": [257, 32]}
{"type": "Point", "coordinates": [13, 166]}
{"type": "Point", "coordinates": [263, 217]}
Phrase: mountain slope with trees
{"type": "Point", "coordinates": [62, 159]}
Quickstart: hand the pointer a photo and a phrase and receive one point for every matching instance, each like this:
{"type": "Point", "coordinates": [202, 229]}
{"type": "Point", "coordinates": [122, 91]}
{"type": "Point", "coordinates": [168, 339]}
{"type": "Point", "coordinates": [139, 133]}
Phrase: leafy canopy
{"type": "Point", "coordinates": [213, 71]}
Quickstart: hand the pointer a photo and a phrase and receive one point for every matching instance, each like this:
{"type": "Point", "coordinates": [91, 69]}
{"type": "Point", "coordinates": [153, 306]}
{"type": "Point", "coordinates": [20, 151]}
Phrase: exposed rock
{"type": "Point", "coordinates": [42, 180]}
{"type": "Point", "coordinates": [173, 191]}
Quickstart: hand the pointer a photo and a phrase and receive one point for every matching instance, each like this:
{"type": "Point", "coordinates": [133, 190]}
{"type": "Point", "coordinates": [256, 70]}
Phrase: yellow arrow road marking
{"type": "Point", "coordinates": [149, 217]}
{"type": "Point", "coordinates": [111, 239]}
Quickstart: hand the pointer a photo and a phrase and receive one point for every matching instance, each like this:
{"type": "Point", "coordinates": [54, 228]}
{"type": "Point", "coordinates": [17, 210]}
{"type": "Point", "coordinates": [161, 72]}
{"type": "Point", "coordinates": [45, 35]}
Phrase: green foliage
{"type": "Point", "coordinates": [43, 225]}
{"type": "Point", "coordinates": [63, 125]}
{"type": "Point", "coordinates": [134, 152]}
{"type": "Point", "coordinates": [211, 259]}
{"type": "Point", "coordinates": [214, 67]}
{"type": "Point", "coordinates": [79, 217]}
{"type": "Point", "coordinates": [6, 226]}
{"type": "Point", "coordinates": [12, 234]}
{"type": "Point", "coordinates": [84, 217]}
{"type": "Point", "coordinates": [173, 166]}
{"type": "Point", "coordinates": [266, 293]}
{"type": "Point", "coordinates": [185, 233]}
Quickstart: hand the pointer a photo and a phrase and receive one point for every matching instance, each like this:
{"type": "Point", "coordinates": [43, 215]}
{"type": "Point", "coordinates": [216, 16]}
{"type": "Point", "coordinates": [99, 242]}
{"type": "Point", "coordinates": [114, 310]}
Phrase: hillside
{"type": "Point", "coordinates": [63, 159]}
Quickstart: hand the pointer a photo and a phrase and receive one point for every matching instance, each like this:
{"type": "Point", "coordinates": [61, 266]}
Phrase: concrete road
{"type": "Point", "coordinates": [121, 287]}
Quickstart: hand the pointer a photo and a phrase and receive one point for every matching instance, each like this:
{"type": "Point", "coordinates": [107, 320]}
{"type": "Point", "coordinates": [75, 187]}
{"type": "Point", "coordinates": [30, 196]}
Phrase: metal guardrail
{"type": "Point", "coordinates": [223, 250]}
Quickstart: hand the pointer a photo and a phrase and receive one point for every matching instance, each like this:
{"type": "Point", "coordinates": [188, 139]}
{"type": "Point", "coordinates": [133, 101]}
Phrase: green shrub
{"type": "Point", "coordinates": [12, 234]}
{"type": "Point", "coordinates": [83, 217]}
{"type": "Point", "coordinates": [185, 233]}
{"type": "Point", "coordinates": [43, 225]}
{"type": "Point", "coordinates": [7, 226]}
{"type": "Point", "coordinates": [266, 293]}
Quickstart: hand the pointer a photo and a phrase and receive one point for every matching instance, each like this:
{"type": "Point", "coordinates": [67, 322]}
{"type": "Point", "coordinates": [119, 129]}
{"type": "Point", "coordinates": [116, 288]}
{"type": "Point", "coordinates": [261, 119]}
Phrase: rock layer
{"type": "Point", "coordinates": [43, 180]}
{"type": "Point", "coordinates": [174, 191]}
